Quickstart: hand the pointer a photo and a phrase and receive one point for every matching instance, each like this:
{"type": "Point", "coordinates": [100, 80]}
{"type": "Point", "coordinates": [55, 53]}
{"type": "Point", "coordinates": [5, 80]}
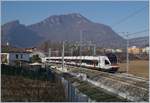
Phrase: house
{"type": "Point", "coordinates": [114, 50]}
{"type": "Point", "coordinates": [134, 50]}
{"type": "Point", "coordinates": [30, 49]}
{"type": "Point", "coordinates": [109, 50]}
{"type": "Point", "coordinates": [145, 50]}
{"type": "Point", "coordinates": [119, 50]}
{"type": "Point", "coordinates": [15, 57]}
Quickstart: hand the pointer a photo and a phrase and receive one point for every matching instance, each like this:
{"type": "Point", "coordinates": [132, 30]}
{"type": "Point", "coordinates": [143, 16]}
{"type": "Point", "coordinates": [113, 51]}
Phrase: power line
{"type": "Point", "coordinates": [137, 32]}
{"type": "Point", "coordinates": [137, 40]}
{"type": "Point", "coordinates": [126, 18]}
{"type": "Point", "coordinates": [145, 30]}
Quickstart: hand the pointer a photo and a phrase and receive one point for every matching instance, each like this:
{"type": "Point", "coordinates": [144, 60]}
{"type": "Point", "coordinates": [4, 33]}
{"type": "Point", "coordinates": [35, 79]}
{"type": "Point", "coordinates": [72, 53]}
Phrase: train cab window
{"type": "Point", "coordinates": [112, 58]}
{"type": "Point", "coordinates": [106, 62]}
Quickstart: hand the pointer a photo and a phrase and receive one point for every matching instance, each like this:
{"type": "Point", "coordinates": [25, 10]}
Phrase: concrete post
{"type": "Point", "coordinates": [127, 56]}
{"type": "Point", "coordinates": [49, 52]}
{"type": "Point", "coordinates": [63, 55]}
{"type": "Point", "coordinates": [80, 47]}
{"type": "Point", "coordinates": [94, 51]}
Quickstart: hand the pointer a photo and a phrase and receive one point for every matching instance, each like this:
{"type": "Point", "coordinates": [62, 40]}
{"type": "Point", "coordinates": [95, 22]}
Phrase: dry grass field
{"type": "Point", "coordinates": [138, 68]}
{"type": "Point", "coordinates": [20, 89]}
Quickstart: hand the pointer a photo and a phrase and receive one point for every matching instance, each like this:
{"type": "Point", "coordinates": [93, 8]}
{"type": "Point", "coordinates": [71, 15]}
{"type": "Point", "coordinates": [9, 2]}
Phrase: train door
{"type": "Point", "coordinates": [101, 62]}
{"type": "Point", "coordinates": [104, 62]}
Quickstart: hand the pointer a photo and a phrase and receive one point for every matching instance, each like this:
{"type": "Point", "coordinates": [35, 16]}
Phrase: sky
{"type": "Point", "coordinates": [105, 12]}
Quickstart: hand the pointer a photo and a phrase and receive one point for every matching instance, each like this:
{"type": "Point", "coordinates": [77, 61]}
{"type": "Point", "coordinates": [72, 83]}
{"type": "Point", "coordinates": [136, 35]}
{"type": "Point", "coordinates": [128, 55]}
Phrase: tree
{"type": "Point", "coordinates": [35, 58]}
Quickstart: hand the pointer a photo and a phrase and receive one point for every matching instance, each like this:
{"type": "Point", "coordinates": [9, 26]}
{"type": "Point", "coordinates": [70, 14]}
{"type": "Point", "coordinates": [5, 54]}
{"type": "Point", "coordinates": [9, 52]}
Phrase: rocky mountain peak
{"type": "Point", "coordinates": [63, 27]}
{"type": "Point", "coordinates": [60, 19]}
{"type": "Point", "coordinates": [77, 15]}
{"type": "Point", "coordinates": [12, 23]}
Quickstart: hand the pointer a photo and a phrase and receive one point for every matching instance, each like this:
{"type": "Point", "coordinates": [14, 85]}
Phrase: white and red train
{"type": "Point", "coordinates": [105, 63]}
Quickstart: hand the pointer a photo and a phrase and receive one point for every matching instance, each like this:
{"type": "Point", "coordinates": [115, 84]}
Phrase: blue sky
{"type": "Point", "coordinates": [109, 12]}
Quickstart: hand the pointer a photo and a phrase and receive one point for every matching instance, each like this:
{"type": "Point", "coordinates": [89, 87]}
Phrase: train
{"type": "Point", "coordinates": [107, 63]}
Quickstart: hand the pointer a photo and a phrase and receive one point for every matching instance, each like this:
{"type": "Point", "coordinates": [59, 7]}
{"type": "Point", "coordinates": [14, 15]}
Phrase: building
{"type": "Point", "coordinates": [114, 50]}
{"type": "Point", "coordinates": [145, 50]}
{"type": "Point", "coordinates": [15, 58]}
{"type": "Point", "coordinates": [134, 50]}
{"type": "Point", "coordinates": [30, 49]}
{"type": "Point", "coordinates": [119, 50]}
{"type": "Point", "coordinates": [109, 50]}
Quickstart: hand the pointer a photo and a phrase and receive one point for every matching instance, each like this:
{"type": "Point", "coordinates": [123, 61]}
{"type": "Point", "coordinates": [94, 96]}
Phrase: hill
{"type": "Point", "coordinates": [59, 28]}
{"type": "Point", "coordinates": [19, 35]}
{"type": "Point", "coordinates": [68, 27]}
{"type": "Point", "coordinates": [140, 41]}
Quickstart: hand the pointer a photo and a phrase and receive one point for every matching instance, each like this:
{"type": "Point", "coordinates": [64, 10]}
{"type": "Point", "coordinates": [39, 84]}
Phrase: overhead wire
{"type": "Point", "coordinates": [129, 16]}
{"type": "Point", "coordinates": [141, 31]}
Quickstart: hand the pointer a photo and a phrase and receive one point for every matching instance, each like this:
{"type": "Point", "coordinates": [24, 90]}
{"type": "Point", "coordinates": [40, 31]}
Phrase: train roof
{"type": "Point", "coordinates": [79, 57]}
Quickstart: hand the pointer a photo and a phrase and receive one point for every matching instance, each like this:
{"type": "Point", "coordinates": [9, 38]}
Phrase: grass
{"type": "Point", "coordinates": [138, 68]}
{"type": "Point", "coordinates": [40, 74]}
{"type": "Point", "coordinates": [98, 94]}
{"type": "Point", "coordinates": [22, 84]}
{"type": "Point", "coordinates": [95, 93]}
{"type": "Point", "coordinates": [21, 89]}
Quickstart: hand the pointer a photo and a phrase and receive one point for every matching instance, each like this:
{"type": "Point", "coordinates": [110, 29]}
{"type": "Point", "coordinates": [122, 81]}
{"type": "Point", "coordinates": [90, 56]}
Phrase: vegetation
{"type": "Point", "coordinates": [20, 89]}
{"type": "Point", "coordinates": [5, 49]}
{"type": "Point", "coordinates": [40, 74]}
{"type": "Point", "coordinates": [35, 58]}
{"type": "Point", "coordinates": [137, 67]}
{"type": "Point", "coordinates": [21, 84]}
{"type": "Point", "coordinates": [4, 58]}
{"type": "Point", "coordinates": [95, 93]}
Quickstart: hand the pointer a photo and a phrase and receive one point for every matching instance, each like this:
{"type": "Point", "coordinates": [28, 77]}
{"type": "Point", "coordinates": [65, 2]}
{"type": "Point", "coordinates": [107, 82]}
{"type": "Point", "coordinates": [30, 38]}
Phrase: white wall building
{"type": "Point", "coordinates": [12, 57]}
{"type": "Point", "coordinates": [146, 50]}
{"type": "Point", "coordinates": [118, 51]}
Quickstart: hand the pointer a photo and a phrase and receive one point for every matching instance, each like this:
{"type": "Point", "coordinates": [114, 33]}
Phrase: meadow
{"type": "Point", "coordinates": [137, 67]}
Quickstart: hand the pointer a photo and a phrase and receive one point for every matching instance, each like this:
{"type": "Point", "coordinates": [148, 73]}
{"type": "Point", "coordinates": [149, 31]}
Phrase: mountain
{"type": "Point", "coordinates": [19, 35]}
{"type": "Point", "coordinates": [63, 27]}
{"type": "Point", "coordinates": [140, 41]}
{"type": "Point", "coordinates": [68, 27]}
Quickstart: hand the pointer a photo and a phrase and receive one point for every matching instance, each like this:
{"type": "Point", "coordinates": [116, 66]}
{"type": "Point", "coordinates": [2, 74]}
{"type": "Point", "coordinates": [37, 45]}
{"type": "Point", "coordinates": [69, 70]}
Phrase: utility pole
{"type": "Point", "coordinates": [127, 55]}
{"type": "Point", "coordinates": [63, 55]}
{"type": "Point", "coordinates": [80, 43]}
{"type": "Point", "coordinates": [49, 52]}
{"type": "Point", "coordinates": [94, 49]}
{"type": "Point", "coordinates": [71, 51]}
{"type": "Point", "coordinates": [80, 47]}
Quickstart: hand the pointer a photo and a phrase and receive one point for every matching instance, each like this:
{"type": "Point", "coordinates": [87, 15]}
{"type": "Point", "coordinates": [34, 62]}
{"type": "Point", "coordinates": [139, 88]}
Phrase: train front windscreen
{"type": "Point", "coordinates": [112, 58]}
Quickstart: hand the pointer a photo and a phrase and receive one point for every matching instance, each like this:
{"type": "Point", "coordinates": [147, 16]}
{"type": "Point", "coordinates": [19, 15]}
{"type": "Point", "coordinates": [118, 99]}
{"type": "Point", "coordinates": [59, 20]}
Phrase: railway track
{"type": "Point", "coordinates": [131, 80]}
{"type": "Point", "coordinates": [120, 77]}
{"type": "Point", "coordinates": [131, 87]}
{"type": "Point", "coordinates": [126, 79]}
{"type": "Point", "coordinates": [126, 82]}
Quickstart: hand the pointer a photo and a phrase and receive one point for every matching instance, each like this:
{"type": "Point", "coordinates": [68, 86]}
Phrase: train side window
{"type": "Point", "coordinates": [17, 56]}
{"type": "Point", "coordinates": [106, 62]}
{"type": "Point", "coordinates": [21, 55]}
